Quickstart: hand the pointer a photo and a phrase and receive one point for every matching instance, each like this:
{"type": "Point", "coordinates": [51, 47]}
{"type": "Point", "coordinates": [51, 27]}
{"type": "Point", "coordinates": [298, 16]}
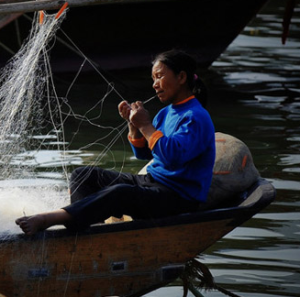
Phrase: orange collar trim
{"type": "Point", "coordinates": [185, 100]}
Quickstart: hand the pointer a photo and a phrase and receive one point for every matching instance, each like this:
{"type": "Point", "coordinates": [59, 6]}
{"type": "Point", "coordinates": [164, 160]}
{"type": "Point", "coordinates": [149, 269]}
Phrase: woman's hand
{"type": "Point", "coordinates": [124, 110]}
{"type": "Point", "coordinates": [140, 118]}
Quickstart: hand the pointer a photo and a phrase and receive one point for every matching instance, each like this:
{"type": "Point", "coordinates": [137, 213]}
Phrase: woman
{"type": "Point", "coordinates": [181, 142]}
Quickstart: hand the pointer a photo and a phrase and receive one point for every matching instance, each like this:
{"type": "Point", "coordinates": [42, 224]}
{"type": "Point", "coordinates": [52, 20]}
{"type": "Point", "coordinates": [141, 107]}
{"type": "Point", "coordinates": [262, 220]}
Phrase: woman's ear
{"type": "Point", "coordinates": [182, 77]}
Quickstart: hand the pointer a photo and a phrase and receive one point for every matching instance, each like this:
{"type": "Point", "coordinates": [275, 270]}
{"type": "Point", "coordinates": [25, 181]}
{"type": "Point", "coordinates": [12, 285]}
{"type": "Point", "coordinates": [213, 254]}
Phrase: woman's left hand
{"type": "Point", "coordinates": [139, 116]}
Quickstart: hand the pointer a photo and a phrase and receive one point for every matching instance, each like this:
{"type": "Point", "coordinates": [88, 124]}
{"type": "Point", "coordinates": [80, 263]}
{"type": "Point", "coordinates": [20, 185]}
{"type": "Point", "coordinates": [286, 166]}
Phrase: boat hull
{"type": "Point", "coordinates": [123, 259]}
{"type": "Point", "coordinates": [103, 264]}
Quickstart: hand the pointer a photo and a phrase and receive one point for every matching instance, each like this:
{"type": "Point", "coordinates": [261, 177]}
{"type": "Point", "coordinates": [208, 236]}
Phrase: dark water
{"type": "Point", "coordinates": [254, 95]}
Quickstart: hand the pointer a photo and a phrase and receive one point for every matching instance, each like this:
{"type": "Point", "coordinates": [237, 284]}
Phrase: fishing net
{"type": "Point", "coordinates": [26, 100]}
{"type": "Point", "coordinates": [24, 86]}
{"type": "Point", "coordinates": [32, 120]}
{"type": "Point", "coordinates": [36, 156]}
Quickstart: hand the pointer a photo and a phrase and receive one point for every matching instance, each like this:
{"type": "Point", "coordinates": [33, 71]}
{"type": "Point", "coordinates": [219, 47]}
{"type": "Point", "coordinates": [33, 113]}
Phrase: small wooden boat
{"type": "Point", "coordinates": [125, 258]}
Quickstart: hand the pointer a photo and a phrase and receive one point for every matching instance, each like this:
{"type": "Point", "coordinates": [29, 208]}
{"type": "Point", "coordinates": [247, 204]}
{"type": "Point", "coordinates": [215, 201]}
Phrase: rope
{"type": "Point", "coordinates": [197, 270]}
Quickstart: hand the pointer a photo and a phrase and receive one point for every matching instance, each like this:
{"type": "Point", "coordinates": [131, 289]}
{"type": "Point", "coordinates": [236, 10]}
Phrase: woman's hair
{"type": "Point", "coordinates": [179, 61]}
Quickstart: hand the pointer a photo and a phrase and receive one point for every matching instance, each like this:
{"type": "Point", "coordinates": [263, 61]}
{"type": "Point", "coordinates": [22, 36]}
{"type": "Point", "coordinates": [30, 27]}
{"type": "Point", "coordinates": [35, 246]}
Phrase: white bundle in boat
{"type": "Point", "coordinates": [234, 170]}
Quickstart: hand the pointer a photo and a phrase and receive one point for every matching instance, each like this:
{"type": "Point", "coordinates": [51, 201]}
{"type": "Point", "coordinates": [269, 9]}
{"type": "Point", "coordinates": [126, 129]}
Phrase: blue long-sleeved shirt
{"type": "Point", "coordinates": [183, 150]}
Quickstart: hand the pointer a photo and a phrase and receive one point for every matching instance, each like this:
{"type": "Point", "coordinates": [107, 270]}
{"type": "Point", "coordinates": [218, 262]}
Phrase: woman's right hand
{"type": "Point", "coordinates": [124, 110]}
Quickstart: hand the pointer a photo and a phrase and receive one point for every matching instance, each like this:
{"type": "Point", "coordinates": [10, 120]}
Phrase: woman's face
{"type": "Point", "coordinates": [167, 85]}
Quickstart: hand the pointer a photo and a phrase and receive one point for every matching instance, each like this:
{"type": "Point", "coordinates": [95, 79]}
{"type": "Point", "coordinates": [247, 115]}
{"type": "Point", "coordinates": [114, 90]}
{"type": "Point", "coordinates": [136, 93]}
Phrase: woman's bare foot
{"type": "Point", "coordinates": [31, 225]}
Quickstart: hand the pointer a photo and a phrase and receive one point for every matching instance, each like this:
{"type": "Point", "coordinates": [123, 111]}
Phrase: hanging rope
{"type": "Point", "coordinates": [197, 271]}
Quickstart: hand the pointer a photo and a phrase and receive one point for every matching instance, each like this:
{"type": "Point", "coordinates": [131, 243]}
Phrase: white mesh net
{"type": "Point", "coordinates": [32, 122]}
{"type": "Point", "coordinates": [24, 85]}
{"type": "Point", "coordinates": [26, 100]}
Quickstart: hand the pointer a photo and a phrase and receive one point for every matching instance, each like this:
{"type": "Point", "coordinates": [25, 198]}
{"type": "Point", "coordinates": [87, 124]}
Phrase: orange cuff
{"type": "Point", "coordinates": [137, 142]}
{"type": "Point", "coordinates": [154, 137]}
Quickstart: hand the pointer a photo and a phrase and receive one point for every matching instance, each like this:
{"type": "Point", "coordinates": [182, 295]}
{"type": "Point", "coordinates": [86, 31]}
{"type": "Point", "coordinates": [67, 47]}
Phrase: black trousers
{"type": "Point", "coordinates": [97, 194]}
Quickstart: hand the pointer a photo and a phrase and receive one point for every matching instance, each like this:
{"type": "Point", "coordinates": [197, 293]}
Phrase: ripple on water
{"type": "Point", "coordinates": [252, 77]}
{"type": "Point", "coordinates": [278, 254]}
{"type": "Point", "coordinates": [286, 184]}
{"type": "Point", "coordinates": [273, 99]}
{"type": "Point", "coordinates": [247, 233]}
